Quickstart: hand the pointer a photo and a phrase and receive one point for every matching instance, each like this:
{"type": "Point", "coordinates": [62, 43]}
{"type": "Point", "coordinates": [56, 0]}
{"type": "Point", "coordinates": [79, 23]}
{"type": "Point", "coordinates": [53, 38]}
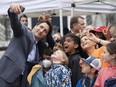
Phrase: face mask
{"type": "Point", "coordinates": [46, 63]}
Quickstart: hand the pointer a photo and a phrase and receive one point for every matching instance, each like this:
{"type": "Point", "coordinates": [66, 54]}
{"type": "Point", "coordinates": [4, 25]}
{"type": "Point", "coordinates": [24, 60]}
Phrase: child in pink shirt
{"type": "Point", "coordinates": [109, 55]}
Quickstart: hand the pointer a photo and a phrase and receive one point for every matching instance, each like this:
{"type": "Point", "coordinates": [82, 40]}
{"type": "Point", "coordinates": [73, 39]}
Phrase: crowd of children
{"type": "Point", "coordinates": [84, 57]}
{"type": "Point", "coordinates": [90, 56]}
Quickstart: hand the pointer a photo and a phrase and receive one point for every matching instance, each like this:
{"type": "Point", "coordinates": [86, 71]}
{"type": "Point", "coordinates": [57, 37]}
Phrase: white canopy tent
{"type": "Point", "coordinates": [62, 7]}
{"type": "Point", "coordinates": [35, 7]}
{"type": "Point", "coordinates": [94, 6]}
{"type": "Point", "coordinates": [81, 6]}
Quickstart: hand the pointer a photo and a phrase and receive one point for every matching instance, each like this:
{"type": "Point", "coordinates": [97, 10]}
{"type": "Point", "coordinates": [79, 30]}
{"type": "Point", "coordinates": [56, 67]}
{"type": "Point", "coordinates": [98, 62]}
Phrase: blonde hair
{"type": "Point", "coordinates": [65, 60]}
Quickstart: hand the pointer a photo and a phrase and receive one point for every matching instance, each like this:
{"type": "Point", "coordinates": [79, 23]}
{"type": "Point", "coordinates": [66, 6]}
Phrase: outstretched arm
{"type": "Point", "coordinates": [93, 38]}
{"type": "Point", "coordinates": [13, 12]}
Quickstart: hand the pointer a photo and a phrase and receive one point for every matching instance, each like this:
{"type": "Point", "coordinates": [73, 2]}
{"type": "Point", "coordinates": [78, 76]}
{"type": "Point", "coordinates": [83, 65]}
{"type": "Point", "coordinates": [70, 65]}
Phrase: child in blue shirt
{"type": "Point", "coordinates": [90, 68]}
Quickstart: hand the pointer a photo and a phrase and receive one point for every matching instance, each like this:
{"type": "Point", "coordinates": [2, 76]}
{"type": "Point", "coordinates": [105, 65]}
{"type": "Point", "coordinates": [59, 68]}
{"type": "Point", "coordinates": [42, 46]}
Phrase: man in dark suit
{"type": "Point", "coordinates": [22, 52]}
{"type": "Point", "coordinates": [77, 24]}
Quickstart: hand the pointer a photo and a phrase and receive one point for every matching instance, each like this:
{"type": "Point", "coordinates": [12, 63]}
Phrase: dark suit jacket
{"type": "Point", "coordinates": [14, 60]}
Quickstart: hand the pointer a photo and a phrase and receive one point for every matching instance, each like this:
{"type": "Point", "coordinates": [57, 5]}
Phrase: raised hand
{"type": "Point", "coordinates": [93, 38]}
{"type": "Point", "coordinates": [16, 8]}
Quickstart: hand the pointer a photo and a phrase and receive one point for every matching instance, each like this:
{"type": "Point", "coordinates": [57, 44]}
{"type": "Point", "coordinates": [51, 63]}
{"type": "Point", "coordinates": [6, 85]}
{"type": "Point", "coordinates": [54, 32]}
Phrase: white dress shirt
{"type": "Point", "coordinates": [32, 54]}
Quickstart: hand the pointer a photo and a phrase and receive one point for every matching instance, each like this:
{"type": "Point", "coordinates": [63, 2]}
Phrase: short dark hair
{"type": "Point", "coordinates": [74, 20]}
{"type": "Point", "coordinates": [48, 51]}
{"type": "Point", "coordinates": [76, 40]}
{"type": "Point", "coordinates": [48, 23]}
{"type": "Point", "coordinates": [25, 16]}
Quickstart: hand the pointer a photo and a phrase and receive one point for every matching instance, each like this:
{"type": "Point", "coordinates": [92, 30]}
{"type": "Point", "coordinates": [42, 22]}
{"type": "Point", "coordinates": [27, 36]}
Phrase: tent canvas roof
{"type": "Point", "coordinates": [36, 7]}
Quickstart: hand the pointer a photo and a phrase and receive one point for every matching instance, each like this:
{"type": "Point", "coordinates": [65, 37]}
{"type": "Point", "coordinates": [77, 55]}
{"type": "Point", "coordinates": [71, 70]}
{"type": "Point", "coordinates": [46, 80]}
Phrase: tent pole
{"type": "Point", "coordinates": [72, 12]}
{"type": "Point", "coordinates": [61, 22]}
{"type": "Point", "coordinates": [72, 8]}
